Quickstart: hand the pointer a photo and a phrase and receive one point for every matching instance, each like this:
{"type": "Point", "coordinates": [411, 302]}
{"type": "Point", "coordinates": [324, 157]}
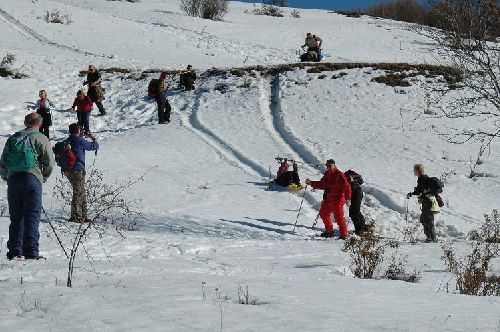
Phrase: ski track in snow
{"type": "Point", "coordinates": [32, 34]}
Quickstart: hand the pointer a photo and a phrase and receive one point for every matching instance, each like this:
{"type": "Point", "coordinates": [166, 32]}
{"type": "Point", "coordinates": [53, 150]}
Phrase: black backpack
{"type": "Point", "coordinates": [435, 185]}
{"type": "Point", "coordinates": [153, 87]}
{"type": "Point", "coordinates": [354, 177]}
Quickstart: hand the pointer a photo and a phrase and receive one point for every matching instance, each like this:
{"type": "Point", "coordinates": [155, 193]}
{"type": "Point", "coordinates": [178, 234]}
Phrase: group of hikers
{"type": "Point", "coordinates": [345, 188]}
{"type": "Point", "coordinates": [28, 160]}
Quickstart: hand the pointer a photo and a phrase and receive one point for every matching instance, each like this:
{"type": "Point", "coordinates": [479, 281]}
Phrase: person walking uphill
{"type": "Point", "coordinates": [26, 163]}
{"type": "Point", "coordinates": [42, 107]}
{"type": "Point", "coordinates": [95, 92]}
{"type": "Point", "coordinates": [355, 181]}
{"type": "Point", "coordinates": [164, 108]}
{"type": "Point", "coordinates": [83, 106]}
{"type": "Point", "coordinates": [426, 192]}
{"type": "Point", "coordinates": [76, 175]}
{"type": "Point", "coordinates": [338, 190]}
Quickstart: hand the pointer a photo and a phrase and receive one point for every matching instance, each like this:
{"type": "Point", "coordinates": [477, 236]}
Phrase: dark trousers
{"type": "Point", "coordinates": [427, 219]}
{"type": "Point", "coordinates": [46, 121]}
{"type": "Point", "coordinates": [83, 120]}
{"type": "Point", "coordinates": [287, 178]}
{"type": "Point", "coordinates": [100, 107]}
{"type": "Point", "coordinates": [355, 211]}
{"type": "Point", "coordinates": [164, 110]}
{"type": "Point", "coordinates": [24, 194]}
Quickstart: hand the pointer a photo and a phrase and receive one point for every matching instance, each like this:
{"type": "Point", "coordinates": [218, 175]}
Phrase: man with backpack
{"type": "Point", "coordinates": [159, 87]}
{"type": "Point", "coordinates": [188, 78]}
{"type": "Point", "coordinates": [427, 190]}
{"type": "Point", "coordinates": [25, 164]}
{"type": "Point", "coordinates": [355, 181]}
{"type": "Point", "coordinates": [338, 191]}
{"type": "Point", "coordinates": [76, 172]}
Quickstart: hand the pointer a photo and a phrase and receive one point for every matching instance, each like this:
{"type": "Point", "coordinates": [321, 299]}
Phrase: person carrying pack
{"type": "Point", "coordinates": [164, 108]}
{"type": "Point", "coordinates": [25, 164]}
{"type": "Point", "coordinates": [76, 173]}
{"type": "Point", "coordinates": [427, 190]}
{"type": "Point", "coordinates": [187, 79]}
{"type": "Point", "coordinates": [95, 91]}
{"type": "Point", "coordinates": [355, 181]}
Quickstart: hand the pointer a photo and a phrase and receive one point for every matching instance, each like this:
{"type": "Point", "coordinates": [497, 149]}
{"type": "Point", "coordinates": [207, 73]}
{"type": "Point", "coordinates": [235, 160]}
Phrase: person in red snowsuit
{"type": "Point", "coordinates": [338, 190]}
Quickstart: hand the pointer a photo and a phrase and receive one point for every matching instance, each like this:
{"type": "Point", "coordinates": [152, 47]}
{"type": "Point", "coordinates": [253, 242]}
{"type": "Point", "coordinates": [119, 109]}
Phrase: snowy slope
{"type": "Point", "coordinates": [212, 223]}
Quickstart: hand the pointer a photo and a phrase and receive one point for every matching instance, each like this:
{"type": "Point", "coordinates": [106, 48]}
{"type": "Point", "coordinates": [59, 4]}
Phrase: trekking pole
{"type": "Point", "coordinates": [300, 208]}
{"type": "Point", "coordinates": [407, 209]}
{"type": "Point", "coordinates": [55, 233]}
{"type": "Point", "coordinates": [317, 216]}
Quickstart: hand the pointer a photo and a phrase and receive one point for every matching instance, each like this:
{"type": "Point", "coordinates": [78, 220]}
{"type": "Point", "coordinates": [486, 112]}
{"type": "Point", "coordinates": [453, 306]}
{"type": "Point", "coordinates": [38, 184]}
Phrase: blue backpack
{"type": "Point", "coordinates": [21, 155]}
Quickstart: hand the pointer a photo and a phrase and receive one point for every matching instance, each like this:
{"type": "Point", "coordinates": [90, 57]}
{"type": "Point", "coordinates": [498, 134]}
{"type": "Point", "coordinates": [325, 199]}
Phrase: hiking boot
{"type": "Point", "coordinates": [102, 113]}
{"type": "Point", "coordinates": [11, 256]}
{"type": "Point", "coordinates": [429, 240]}
{"type": "Point", "coordinates": [326, 234]}
{"type": "Point", "coordinates": [34, 257]}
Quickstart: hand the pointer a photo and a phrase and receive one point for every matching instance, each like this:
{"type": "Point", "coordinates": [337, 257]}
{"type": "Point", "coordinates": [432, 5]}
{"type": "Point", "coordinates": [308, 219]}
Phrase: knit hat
{"type": "Point", "coordinates": [330, 162]}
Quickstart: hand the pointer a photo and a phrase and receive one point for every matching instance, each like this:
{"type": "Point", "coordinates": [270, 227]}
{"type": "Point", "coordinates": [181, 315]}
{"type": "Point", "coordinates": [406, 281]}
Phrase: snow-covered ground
{"type": "Point", "coordinates": [212, 224]}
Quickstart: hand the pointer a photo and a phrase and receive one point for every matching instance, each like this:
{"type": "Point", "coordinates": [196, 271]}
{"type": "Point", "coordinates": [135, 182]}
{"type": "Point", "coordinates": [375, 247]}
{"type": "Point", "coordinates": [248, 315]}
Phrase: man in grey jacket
{"type": "Point", "coordinates": [26, 162]}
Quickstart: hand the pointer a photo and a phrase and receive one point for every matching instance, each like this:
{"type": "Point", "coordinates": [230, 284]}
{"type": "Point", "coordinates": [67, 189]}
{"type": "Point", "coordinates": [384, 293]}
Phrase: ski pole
{"type": "Point", "coordinates": [317, 216]}
{"type": "Point", "coordinates": [300, 208]}
{"type": "Point", "coordinates": [55, 233]}
{"type": "Point", "coordinates": [407, 209]}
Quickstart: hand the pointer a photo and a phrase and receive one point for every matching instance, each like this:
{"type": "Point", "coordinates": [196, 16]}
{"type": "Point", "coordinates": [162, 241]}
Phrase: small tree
{"type": "Point", "coordinates": [468, 40]}
{"type": "Point", "coordinates": [207, 9]}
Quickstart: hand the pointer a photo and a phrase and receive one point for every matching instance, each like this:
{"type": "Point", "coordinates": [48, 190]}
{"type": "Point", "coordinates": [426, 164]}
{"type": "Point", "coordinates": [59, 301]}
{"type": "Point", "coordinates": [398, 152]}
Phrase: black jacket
{"type": "Point", "coordinates": [422, 185]}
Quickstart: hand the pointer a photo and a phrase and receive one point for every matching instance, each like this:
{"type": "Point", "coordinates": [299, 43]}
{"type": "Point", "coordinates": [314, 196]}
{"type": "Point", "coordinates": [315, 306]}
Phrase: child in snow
{"type": "Point", "coordinates": [83, 105]}
{"type": "Point", "coordinates": [42, 107]}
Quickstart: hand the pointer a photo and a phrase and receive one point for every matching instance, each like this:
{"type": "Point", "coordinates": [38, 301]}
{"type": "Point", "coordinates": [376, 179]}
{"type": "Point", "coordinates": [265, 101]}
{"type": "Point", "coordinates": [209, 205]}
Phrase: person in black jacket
{"type": "Point", "coordinates": [188, 78]}
{"type": "Point", "coordinates": [355, 180]}
{"type": "Point", "coordinates": [95, 92]}
{"type": "Point", "coordinates": [162, 102]}
{"type": "Point", "coordinates": [422, 191]}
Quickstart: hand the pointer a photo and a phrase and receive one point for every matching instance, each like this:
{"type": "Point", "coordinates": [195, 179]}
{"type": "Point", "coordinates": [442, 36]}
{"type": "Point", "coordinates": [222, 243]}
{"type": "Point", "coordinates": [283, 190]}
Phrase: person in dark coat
{"type": "Point", "coordinates": [95, 92]}
{"type": "Point", "coordinates": [164, 108]}
{"type": "Point", "coordinates": [355, 180]}
{"type": "Point", "coordinates": [428, 201]}
{"type": "Point", "coordinates": [188, 78]}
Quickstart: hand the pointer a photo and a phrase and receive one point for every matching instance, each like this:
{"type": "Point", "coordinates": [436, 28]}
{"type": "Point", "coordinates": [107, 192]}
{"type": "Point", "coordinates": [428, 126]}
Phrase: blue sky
{"type": "Point", "coordinates": [330, 4]}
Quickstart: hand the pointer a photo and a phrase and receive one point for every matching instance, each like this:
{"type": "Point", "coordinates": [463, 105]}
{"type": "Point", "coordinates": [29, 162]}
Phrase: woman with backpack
{"type": "Point", "coordinates": [42, 107]}
{"type": "Point", "coordinates": [95, 92]}
{"type": "Point", "coordinates": [426, 190]}
{"type": "Point", "coordinates": [83, 105]}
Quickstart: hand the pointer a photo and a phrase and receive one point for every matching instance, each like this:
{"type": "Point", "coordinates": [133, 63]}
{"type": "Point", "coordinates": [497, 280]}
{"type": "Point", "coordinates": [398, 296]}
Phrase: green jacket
{"type": "Point", "coordinates": [45, 157]}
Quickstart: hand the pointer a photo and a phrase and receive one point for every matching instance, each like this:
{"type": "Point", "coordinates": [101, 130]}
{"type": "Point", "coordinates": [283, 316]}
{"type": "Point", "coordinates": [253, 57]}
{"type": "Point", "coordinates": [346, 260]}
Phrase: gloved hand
{"type": "Point", "coordinates": [408, 196]}
{"type": "Point", "coordinates": [308, 181]}
{"type": "Point", "coordinates": [348, 203]}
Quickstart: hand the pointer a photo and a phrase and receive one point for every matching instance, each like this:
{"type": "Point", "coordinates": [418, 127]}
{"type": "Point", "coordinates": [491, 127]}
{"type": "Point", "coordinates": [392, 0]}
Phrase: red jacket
{"type": "Point", "coordinates": [335, 182]}
{"type": "Point", "coordinates": [84, 105]}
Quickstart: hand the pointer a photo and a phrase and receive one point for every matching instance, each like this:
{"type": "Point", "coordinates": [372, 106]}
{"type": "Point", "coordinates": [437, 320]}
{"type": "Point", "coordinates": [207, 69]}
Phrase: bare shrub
{"type": "Point", "coordinates": [207, 9]}
{"type": "Point", "coordinates": [5, 65]}
{"type": "Point", "coordinates": [397, 269]}
{"type": "Point", "coordinates": [107, 209]}
{"type": "Point", "coordinates": [295, 13]}
{"type": "Point", "coordinates": [269, 8]}
{"type": "Point", "coordinates": [55, 16]}
{"type": "Point", "coordinates": [244, 297]}
{"type": "Point", "coordinates": [366, 254]}
{"type": "Point", "coordinates": [472, 273]}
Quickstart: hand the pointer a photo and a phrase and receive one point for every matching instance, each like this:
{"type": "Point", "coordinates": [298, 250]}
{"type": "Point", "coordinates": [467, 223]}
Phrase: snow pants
{"type": "Point", "coordinates": [337, 208]}
{"type": "Point", "coordinates": [355, 211]}
{"type": "Point", "coordinates": [24, 194]}
{"type": "Point", "coordinates": [427, 219]}
{"type": "Point", "coordinates": [84, 121]}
